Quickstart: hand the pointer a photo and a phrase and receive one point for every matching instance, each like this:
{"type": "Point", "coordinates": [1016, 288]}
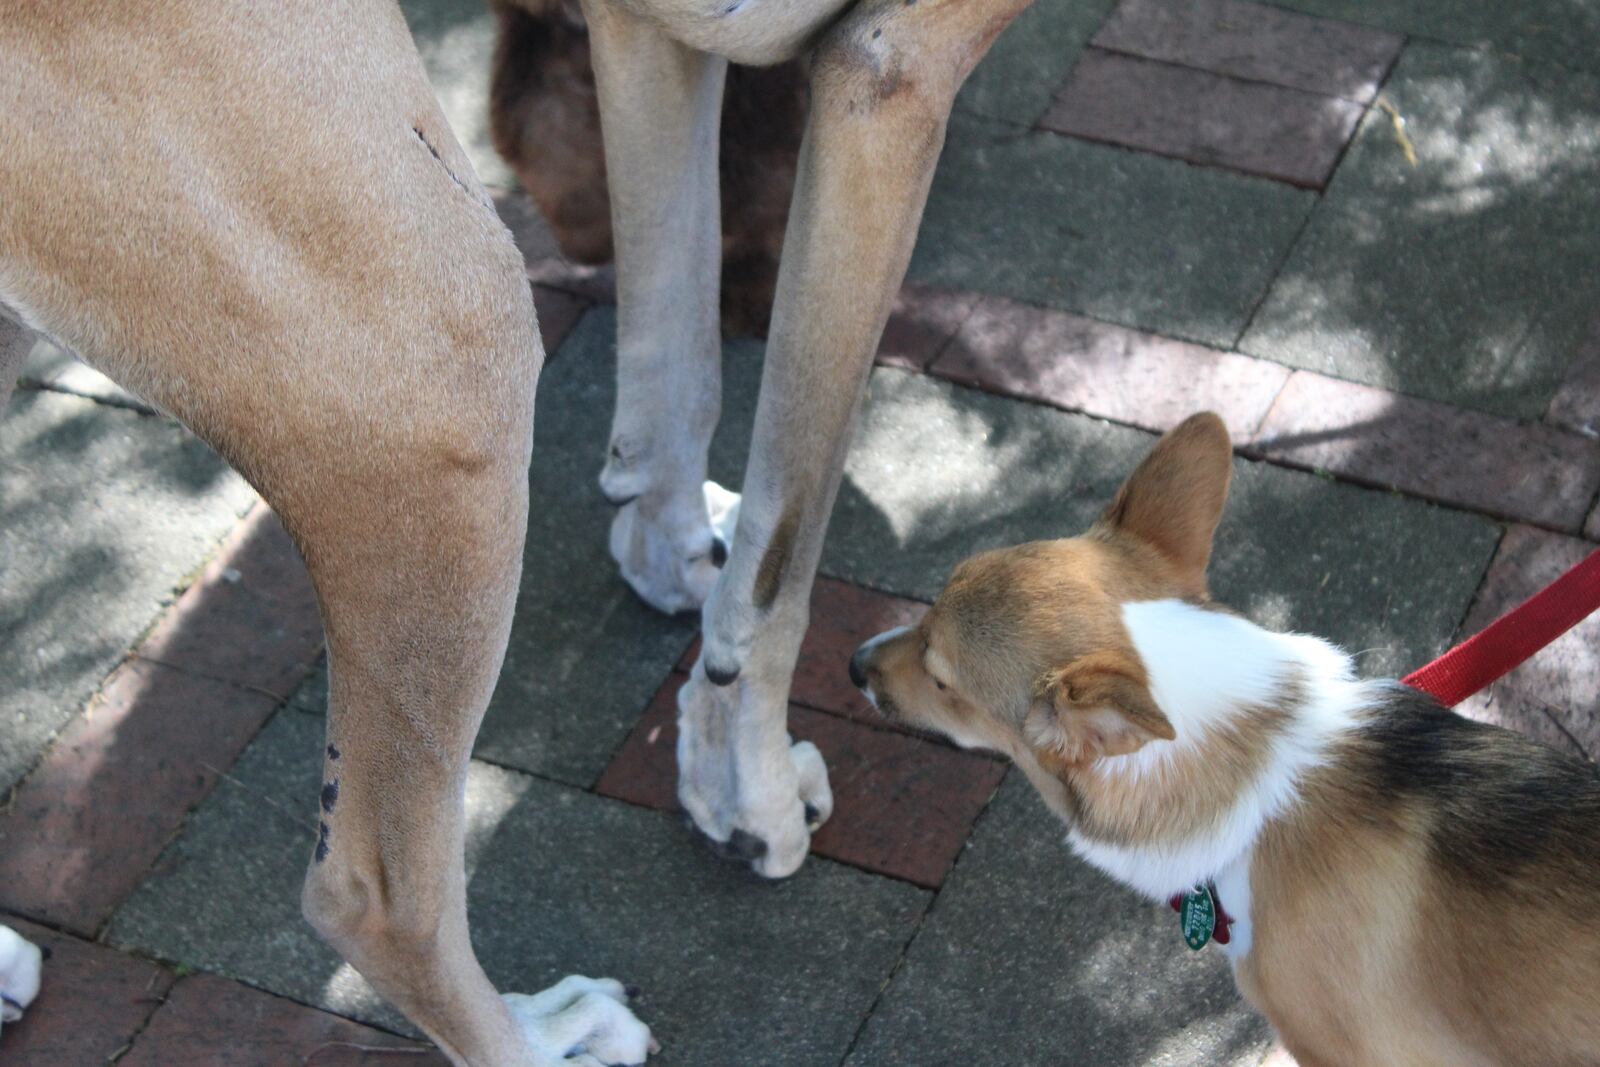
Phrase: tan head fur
{"type": "Point", "coordinates": [1024, 651]}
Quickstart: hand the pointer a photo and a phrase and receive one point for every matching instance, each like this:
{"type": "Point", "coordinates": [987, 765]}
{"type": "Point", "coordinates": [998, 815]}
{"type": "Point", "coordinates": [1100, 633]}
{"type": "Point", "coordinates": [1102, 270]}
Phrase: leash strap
{"type": "Point", "coordinates": [1504, 644]}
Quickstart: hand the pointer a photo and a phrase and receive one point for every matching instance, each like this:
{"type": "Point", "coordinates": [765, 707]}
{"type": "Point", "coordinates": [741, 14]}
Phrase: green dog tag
{"type": "Point", "coordinates": [1198, 917]}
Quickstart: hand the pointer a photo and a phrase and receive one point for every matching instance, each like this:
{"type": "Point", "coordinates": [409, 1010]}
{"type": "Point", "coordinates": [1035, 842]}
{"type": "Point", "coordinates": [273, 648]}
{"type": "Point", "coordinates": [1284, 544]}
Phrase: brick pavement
{"type": "Point", "coordinates": [1145, 209]}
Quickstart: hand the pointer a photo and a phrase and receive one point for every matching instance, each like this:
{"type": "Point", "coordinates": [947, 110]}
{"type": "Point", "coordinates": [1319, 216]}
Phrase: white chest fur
{"type": "Point", "coordinates": [1205, 668]}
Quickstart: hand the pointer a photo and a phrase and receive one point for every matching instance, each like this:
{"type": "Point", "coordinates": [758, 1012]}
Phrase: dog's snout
{"type": "Point", "coordinates": [858, 668]}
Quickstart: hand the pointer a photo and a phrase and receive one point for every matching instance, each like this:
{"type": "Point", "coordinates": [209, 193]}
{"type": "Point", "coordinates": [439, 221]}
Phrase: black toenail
{"type": "Point", "coordinates": [719, 552]}
{"type": "Point", "coordinates": [45, 952]}
{"type": "Point", "coordinates": [719, 677]}
{"type": "Point", "coordinates": [746, 846]}
{"type": "Point", "coordinates": [631, 992]}
{"type": "Point", "coordinates": [812, 814]}
{"type": "Point", "coordinates": [619, 501]}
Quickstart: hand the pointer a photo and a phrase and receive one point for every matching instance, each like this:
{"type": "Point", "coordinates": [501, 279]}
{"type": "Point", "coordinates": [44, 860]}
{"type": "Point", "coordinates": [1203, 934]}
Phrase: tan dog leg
{"type": "Point", "coordinates": [883, 82]}
{"type": "Point", "coordinates": [289, 252]}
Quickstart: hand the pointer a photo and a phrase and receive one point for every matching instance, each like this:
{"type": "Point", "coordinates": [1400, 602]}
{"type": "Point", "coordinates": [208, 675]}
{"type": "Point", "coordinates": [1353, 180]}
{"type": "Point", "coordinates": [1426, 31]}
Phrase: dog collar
{"type": "Point", "coordinates": [1201, 916]}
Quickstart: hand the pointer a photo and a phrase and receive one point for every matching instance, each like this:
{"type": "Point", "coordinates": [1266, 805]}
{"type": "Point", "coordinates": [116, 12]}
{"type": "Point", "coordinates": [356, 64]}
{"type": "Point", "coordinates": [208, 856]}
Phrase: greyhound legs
{"type": "Point", "coordinates": [287, 250]}
{"type": "Point", "coordinates": [884, 78]}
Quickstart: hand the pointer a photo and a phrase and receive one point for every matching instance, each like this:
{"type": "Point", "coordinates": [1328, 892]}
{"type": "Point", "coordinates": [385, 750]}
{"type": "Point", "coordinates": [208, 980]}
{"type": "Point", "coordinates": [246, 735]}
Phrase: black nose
{"type": "Point", "coordinates": [858, 672]}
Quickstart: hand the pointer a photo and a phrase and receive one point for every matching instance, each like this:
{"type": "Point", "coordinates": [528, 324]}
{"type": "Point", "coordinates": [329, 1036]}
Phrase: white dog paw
{"type": "Point", "coordinates": [21, 963]}
{"type": "Point", "coordinates": [672, 552]}
{"type": "Point", "coordinates": [582, 1021]}
{"type": "Point", "coordinates": [756, 797]}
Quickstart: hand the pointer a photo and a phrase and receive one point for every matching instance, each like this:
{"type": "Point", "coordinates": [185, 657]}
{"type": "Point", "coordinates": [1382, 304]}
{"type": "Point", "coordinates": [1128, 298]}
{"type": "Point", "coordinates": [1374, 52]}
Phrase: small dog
{"type": "Point", "coordinates": [1394, 884]}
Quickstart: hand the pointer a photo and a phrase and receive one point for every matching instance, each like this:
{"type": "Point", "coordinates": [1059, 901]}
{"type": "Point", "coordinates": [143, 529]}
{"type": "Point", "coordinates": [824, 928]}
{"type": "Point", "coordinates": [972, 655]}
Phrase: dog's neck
{"type": "Point", "coordinates": [1253, 711]}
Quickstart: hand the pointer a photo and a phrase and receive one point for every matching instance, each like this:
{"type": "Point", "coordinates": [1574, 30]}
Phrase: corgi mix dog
{"type": "Point", "coordinates": [1394, 884]}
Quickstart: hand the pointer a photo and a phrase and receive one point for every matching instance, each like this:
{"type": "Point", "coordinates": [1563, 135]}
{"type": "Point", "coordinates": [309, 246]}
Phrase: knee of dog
{"type": "Point", "coordinates": [343, 906]}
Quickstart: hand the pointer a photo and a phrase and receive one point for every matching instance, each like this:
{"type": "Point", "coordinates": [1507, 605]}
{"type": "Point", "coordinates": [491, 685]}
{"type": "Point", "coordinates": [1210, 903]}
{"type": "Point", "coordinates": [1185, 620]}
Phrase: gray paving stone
{"type": "Point", "coordinates": [1015, 81]}
{"type": "Point", "coordinates": [1562, 31]}
{"type": "Point", "coordinates": [49, 367]}
{"type": "Point", "coordinates": [103, 513]}
{"type": "Point", "coordinates": [1464, 278]}
{"type": "Point", "coordinates": [560, 881]}
{"type": "Point", "coordinates": [1126, 237]}
{"type": "Point", "coordinates": [456, 41]}
{"type": "Point", "coordinates": [1030, 956]}
{"type": "Point", "coordinates": [938, 472]}
{"type": "Point", "coordinates": [585, 655]}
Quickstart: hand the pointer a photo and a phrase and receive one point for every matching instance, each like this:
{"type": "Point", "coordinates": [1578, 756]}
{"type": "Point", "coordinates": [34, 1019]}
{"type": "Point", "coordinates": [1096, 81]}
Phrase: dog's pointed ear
{"type": "Point", "coordinates": [1097, 705]}
{"type": "Point", "coordinates": [1173, 501]}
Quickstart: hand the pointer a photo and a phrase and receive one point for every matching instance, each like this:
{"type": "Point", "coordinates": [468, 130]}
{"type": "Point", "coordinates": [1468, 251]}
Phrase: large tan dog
{"type": "Point", "coordinates": [1395, 885]}
{"type": "Point", "coordinates": [254, 216]}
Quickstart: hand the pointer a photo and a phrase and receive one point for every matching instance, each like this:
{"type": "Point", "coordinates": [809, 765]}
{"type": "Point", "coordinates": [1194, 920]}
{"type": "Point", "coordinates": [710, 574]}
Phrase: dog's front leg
{"type": "Point", "coordinates": [883, 82]}
{"type": "Point", "coordinates": [661, 103]}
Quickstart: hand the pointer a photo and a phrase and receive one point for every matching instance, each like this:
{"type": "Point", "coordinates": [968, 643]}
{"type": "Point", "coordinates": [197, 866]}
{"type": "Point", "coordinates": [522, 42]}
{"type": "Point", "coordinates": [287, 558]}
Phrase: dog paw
{"type": "Point", "coordinates": [671, 552]}
{"type": "Point", "coordinates": [755, 795]}
{"type": "Point", "coordinates": [20, 963]}
{"type": "Point", "coordinates": [584, 1022]}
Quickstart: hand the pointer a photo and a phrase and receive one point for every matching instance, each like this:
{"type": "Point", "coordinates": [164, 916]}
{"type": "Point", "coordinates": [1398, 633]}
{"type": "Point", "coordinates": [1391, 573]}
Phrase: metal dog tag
{"type": "Point", "coordinates": [1198, 916]}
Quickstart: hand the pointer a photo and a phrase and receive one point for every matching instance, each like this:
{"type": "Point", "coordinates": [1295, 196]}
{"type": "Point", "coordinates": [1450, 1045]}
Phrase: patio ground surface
{"type": "Point", "coordinates": [1364, 233]}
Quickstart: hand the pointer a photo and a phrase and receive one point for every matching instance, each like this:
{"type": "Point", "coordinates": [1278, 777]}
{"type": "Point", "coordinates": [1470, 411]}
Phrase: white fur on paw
{"type": "Point", "coordinates": [815, 792]}
{"type": "Point", "coordinates": [21, 967]}
{"type": "Point", "coordinates": [722, 508]}
{"type": "Point", "coordinates": [583, 1021]}
{"type": "Point", "coordinates": [668, 554]}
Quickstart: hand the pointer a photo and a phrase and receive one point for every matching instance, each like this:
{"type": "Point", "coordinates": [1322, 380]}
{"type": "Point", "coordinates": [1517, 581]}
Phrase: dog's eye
{"type": "Point", "coordinates": [941, 685]}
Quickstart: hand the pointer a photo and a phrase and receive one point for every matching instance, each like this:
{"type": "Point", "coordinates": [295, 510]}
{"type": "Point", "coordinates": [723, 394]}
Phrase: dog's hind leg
{"type": "Point", "coordinates": [883, 81]}
{"type": "Point", "coordinates": [662, 103]}
{"type": "Point", "coordinates": [286, 249]}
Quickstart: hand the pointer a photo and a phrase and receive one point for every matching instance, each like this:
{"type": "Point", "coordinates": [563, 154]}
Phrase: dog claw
{"type": "Point", "coordinates": [721, 676]}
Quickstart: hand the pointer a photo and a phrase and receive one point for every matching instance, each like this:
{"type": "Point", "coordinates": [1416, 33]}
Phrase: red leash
{"type": "Point", "coordinates": [1502, 645]}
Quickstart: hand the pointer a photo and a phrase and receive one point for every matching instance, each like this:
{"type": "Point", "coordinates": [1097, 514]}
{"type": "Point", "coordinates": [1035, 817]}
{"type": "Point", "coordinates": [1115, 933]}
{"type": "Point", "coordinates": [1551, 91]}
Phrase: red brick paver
{"type": "Point", "coordinates": [252, 617]}
{"type": "Point", "coordinates": [220, 1023]}
{"type": "Point", "coordinates": [903, 806]}
{"type": "Point", "coordinates": [842, 617]}
{"type": "Point", "coordinates": [1108, 371]}
{"type": "Point", "coordinates": [1555, 696]}
{"type": "Point", "coordinates": [1256, 42]}
{"type": "Point", "coordinates": [921, 324]}
{"type": "Point", "coordinates": [1533, 473]}
{"type": "Point", "coordinates": [1206, 118]}
{"type": "Point", "coordinates": [85, 826]}
{"type": "Point", "coordinates": [92, 1001]}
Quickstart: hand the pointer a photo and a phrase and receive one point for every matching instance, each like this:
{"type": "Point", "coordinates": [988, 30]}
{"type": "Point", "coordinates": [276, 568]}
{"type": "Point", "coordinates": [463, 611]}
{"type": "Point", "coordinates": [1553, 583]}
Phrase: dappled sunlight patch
{"type": "Point", "coordinates": [492, 794]}
{"type": "Point", "coordinates": [347, 993]}
{"type": "Point", "coordinates": [920, 467]}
